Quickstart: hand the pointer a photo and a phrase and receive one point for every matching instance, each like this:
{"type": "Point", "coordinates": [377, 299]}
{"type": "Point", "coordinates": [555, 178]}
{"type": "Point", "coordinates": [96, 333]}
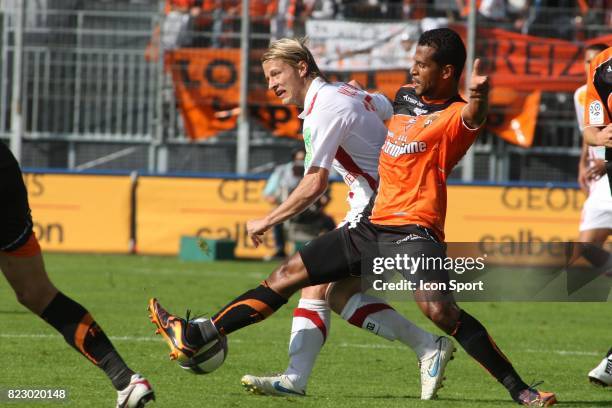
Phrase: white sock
{"type": "Point", "coordinates": [311, 322]}
{"type": "Point", "coordinates": [376, 316]}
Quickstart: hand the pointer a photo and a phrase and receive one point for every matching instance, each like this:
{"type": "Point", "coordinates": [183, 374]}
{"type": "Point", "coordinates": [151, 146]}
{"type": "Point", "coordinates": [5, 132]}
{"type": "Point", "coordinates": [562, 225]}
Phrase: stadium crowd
{"type": "Point", "coordinates": [216, 23]}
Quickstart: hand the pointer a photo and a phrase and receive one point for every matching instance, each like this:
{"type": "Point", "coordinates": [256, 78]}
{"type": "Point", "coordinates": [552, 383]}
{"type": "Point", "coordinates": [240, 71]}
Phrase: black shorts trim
{"type": "Point", "coordinates": [326, 257]}
{"type": "Point", "coordinates": [15, 216]}
{"type": "Point", "coordinates": [341, 253]}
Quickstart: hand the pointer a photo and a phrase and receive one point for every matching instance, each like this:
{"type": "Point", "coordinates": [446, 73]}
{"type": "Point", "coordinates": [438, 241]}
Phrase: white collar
{"type": "Point", "coordinates": [314, 87]}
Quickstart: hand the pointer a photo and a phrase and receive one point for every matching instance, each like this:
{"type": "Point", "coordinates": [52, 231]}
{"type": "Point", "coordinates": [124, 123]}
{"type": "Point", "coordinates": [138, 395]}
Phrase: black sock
{"type": "Point", "coordinates": [595, 255]}
{"type": "Point", "coordinates": [116, 369]}
{"type": "Point", "coordinates": [80, 331]}
{"type": "Point", "coordinates": [473, 337]}
{"type": "Point", "coordinates": [609, 352]}
{"type": "Point", "coordinates": [251, 307]}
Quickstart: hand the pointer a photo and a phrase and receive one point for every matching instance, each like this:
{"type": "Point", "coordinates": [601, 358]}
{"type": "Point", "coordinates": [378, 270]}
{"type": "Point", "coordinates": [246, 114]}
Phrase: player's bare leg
{"type": "Point", "coordinates": [33, 288]}
{"type": "Point", "coordinates": [29, 280]}
{"type": "Point", "coordinates": [442, 310]}
{"type": "Point", "coordinates": [595, 236]}
{"type": "Point", "coordinates": [590, 247]}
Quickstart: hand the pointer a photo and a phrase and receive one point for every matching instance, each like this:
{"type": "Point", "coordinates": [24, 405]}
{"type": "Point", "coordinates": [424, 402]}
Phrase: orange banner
{"type": "Point", "coordinates": [525, 62]}
{"type": "Point", "coordinates": [81, 213]}
{"type": "Point", "coordinates": [513, 114]}
{"type": "Point", "coordinates": [520, 66]}
{"type": "Point", "coordinates": [207, 89]}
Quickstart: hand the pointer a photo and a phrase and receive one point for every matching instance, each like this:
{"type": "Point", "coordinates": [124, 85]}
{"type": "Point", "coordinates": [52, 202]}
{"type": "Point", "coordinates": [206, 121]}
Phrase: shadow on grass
{"type": "Point", "coordinates": [607, 403]}
{"type": "Point", "coordinates": [479, 401]}
{"type": "Point", "coordinates": [12, 312]}
{"type": "Point", "coordinates": [417, 398]}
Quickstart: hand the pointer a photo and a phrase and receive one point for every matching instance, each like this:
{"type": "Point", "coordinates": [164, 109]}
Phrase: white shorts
{"type": "Point", "coordinates": [596, 214]}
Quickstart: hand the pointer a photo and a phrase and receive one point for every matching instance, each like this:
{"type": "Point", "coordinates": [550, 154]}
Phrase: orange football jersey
{"type": "Point", "coordinates": [598, 107]}
{"type": "Point", "coordinates": [425, 141]}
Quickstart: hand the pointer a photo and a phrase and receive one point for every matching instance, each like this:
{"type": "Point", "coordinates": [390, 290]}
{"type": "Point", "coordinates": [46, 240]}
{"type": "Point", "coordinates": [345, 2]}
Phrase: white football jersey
{"type": "Point", "coordinates": [343, 128]}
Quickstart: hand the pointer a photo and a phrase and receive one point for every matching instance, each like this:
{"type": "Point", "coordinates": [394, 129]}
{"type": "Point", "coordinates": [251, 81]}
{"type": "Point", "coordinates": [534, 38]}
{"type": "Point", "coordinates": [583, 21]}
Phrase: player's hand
{"type": "Point", "coordinates": [583, 180]}
{"type": "Point", "coordinates": [256, 229]}
{"type": "Point", "coordinates": [475, 112]}
{"type": "Point", "coordinates": [596, 170]}
{"type": "Point", "coordinates": [479, 83]}
{"type": "Point", "coordinates": [604, 136]}
{"type": "Point", "coordinates": [355, 84]}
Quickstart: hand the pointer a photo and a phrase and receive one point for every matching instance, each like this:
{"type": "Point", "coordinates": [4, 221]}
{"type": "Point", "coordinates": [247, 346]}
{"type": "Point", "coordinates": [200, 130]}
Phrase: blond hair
{"type": "Point", "coordinates": [292, 51]}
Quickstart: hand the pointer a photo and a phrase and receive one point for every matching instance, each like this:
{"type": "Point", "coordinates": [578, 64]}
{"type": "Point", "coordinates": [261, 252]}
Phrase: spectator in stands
{"type": "Point", "coordinates": [307, 225]}
{"type": "Point", "coordinates": [413, 9]}
{"type": "Point", "coordinates": [505, 14]}
{"type": "Point", "coordinates": [282, 23]}
{"type": "Point", "coordinates": [595, 16]}
{"type": "Point", "coordinates": [552, 18]}
{"type": "Point", "coordinates": [280, 184]}
{"type": "Point", "coordinates": [322, 9]}
{"type": "Point", "coordinates": [291, 15]}
{"type": "Point", "coordinates": [229, 23]}
{"type": "Point", "coordinates": [183, 20]}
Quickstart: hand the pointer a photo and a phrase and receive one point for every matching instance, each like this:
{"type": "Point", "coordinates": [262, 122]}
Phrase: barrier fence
{"type": "Point", "coordinates": [149, 214]}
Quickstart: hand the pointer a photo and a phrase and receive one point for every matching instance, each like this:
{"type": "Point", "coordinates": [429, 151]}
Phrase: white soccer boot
{"type": "Point", "coordinates": [136, 394]}
{"type": "Point", "coordinates": [278, 385]}
{"type": "Point", "coordinates": [432, 368]}
{"type": "Point", "coordinates": [602, 374]}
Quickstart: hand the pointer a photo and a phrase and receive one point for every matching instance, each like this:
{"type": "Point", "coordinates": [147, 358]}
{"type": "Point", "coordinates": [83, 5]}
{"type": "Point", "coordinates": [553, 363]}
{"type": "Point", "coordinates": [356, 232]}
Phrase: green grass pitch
{"type": "Point", "coordinates": [555, 342]}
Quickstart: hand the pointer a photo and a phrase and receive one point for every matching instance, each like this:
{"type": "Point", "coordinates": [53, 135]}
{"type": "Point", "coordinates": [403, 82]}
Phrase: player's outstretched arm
{"type": "Point", "coordinates": [583, 166]}
{"type": "Point", "coordinates": [307, 191]}
{"type": "Point", "coordinates": [475, 112]}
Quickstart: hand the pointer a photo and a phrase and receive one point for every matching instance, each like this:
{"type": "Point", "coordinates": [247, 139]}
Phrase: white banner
{"type": "Point", "coordinates": [355, 46]}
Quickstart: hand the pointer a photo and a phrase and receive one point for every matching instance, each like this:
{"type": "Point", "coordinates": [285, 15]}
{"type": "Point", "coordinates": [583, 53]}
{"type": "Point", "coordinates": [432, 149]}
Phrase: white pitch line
{"type": "Point", "coordinates": [344, 345]}
{"type": "Point", "coordinates": [566, 352]}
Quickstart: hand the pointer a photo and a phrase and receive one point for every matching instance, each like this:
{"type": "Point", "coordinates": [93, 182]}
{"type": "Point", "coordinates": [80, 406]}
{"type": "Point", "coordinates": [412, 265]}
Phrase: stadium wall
{"type": "Point", "coordinates": [147, 214]}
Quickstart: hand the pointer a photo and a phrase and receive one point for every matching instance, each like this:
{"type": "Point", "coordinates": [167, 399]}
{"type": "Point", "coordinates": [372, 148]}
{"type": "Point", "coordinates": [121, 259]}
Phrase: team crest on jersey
{"type": "Point", "coordinates": [409, 124]}
{"type": "Point", "coordinates": [596, 113]}
{"type": "Point", "coordinates": [308, 145]}
{"type": "Point", "coordinates": [430, 119]}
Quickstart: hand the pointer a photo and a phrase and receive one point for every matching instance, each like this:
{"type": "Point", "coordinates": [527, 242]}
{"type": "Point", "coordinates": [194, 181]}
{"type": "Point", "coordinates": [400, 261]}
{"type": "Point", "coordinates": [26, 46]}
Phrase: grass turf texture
{"type": "Point", "coordinates": [555, 342]}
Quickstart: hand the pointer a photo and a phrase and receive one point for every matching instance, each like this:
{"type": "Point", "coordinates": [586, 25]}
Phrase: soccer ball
{"type": "Point", "coordinates": [208, 358]}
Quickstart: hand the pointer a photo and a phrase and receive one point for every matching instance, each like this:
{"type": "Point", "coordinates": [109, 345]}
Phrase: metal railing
{"type": "Point", "coordinates": [94, 84]}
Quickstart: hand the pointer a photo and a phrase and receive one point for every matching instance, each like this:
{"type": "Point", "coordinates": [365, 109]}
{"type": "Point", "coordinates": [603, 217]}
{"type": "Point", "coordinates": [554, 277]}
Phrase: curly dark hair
{"type": "Point", "coordinates": [449, 47]}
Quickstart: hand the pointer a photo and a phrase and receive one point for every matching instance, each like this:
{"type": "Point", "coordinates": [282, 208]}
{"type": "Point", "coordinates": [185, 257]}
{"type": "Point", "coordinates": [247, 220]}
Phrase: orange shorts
{"type": "Point", "coordinates": [30, 248]}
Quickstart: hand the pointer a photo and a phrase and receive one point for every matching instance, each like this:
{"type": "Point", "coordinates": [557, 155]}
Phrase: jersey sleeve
{"type": "Point", "coordinates": [595, 110]}
{"type": "Point", "coordinates": [579, 99]}
{"type": "Point", "coordinates": [323, 136]}
{"type": "Point", "coordinates": [383, 106]}
{"type": "Point", "coordinates": [459, 137]}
